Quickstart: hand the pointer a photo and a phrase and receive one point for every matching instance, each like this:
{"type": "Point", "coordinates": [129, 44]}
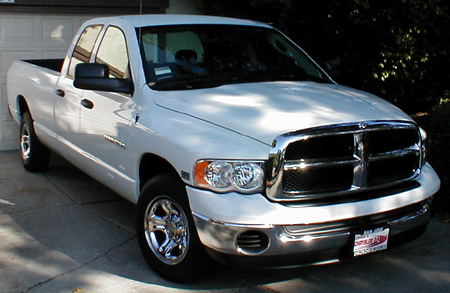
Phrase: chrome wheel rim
{"type": "Point", "coordinates": [167, 230]}
{"type": "Point", "coordinates": [25, 145]}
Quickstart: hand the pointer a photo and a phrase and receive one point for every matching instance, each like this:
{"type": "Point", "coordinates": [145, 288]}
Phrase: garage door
{"type": "Point", "coordinates": [28, 36]}
{"type": "Point", "coordinates": [36, 29]}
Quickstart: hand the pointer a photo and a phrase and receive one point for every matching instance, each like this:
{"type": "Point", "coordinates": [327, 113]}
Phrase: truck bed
{"type": "Point", "coordinates": [53, 64]}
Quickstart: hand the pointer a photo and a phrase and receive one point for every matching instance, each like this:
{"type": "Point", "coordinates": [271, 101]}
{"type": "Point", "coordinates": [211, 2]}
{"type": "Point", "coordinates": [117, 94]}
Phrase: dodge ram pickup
{"type": "Point", "coordinates": [234, 144]}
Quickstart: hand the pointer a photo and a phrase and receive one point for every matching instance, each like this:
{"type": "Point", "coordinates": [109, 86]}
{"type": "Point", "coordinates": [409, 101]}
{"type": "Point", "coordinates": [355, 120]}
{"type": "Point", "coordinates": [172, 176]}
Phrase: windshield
{"type": "Point", "coordinates": [202, 56]}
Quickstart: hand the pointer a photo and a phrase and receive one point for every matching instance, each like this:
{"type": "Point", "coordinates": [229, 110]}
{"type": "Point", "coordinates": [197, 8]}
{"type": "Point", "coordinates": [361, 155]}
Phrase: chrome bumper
{"type": "Point", "coordinates": [279, 240]}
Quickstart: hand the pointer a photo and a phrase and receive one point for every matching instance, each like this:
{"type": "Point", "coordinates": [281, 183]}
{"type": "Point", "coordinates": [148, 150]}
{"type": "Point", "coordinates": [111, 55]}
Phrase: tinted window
{"type": "Point", "coordinates": [83, 49]}
{"type": "Point", "coordinates": [113, 52]}
{"type": "Point", "coordinates": [202, 56]}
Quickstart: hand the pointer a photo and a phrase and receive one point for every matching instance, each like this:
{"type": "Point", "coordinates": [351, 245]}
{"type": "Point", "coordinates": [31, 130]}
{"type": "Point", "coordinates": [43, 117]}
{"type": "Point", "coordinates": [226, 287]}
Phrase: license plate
{"type": "Point", "coordinates": [371, 241]}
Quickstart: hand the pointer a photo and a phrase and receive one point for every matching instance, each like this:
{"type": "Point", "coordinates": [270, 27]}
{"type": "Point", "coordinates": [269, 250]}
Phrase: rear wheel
{"type": "Point", "coordinates": [166, 231]}
{"type": "Point", "coordinates": [35, 155]}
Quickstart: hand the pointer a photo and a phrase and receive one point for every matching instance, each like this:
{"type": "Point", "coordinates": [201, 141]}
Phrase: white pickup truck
{"type": "Point", "coordinates": [232, 142]}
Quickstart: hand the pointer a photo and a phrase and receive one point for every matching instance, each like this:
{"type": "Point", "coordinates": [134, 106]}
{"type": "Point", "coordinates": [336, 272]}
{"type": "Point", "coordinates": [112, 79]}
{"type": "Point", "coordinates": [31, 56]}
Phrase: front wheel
{"type": "Point", "coordinates": [166, 232]}
{"type": "Point", "coordinates": [35, 155]}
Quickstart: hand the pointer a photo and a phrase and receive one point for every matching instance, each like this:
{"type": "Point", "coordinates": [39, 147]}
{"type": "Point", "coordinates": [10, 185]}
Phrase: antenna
{"type": "Point", "coordinates": [140, 23]}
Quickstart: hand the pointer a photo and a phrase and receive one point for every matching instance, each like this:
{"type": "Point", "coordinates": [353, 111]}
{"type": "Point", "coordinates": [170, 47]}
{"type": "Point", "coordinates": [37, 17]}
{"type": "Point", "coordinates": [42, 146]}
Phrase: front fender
{"type": "Point", "coordinates": [183, 140]}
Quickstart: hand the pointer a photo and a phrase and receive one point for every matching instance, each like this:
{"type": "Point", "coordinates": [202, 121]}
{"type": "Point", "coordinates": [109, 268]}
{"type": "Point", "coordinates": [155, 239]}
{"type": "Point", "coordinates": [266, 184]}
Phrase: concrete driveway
{"type": "Point", "coordinates": [61, 231]}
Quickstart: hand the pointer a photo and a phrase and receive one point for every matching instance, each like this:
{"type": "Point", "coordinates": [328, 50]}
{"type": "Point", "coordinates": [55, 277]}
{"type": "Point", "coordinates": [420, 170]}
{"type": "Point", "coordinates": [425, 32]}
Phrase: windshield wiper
{"type": "Point", "coordinates": [177, 83]}
{"type": "Point", "coordinates": [279, 75]}
{"type": "Point", "coordinates": [197, 80]}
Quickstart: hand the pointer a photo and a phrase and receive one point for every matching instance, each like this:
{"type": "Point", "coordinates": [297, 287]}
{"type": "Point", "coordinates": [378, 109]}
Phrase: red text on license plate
{"type": "Point", "coordinates": [371, 241]}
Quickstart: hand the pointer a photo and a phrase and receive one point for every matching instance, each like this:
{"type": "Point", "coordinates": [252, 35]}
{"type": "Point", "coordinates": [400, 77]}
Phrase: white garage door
{"type": "Point", "coordinates": [28, 36]}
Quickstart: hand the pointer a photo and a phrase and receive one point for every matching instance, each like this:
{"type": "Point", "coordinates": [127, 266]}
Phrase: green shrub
{"type": "Point", "coordinates": [437, 125]}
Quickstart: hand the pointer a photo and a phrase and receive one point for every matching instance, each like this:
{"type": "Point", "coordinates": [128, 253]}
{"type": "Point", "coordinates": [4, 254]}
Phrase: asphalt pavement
{"type": "Point", "coordinates": [61, 231]}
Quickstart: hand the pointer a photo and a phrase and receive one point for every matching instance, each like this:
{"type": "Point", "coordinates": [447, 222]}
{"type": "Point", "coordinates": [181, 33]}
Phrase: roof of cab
{"type": "Point", "coordinates": [177, 19]}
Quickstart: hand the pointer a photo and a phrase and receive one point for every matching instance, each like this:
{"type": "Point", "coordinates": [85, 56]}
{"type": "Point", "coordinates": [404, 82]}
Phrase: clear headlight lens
{"type": "Point", "coordinates": [225, 176]}
{"type": "Point", "coordinates": [218, 174]}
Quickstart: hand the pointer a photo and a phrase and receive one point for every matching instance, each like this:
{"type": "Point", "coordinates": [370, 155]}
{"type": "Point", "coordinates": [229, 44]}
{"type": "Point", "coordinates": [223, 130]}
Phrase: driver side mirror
{"type": "Point", "coordinates": [93, 76]}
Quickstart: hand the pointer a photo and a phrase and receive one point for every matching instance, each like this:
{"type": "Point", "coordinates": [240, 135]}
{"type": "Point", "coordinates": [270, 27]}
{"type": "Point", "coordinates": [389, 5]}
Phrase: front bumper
{"type": "Point", "coordinates": [284, 234]}
{"type": "Point", "coordinates": [292, 245]}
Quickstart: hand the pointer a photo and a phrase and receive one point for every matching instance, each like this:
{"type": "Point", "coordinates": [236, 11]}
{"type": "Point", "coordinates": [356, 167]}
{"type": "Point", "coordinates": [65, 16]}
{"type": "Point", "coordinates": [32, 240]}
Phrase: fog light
{"type": "Point", "coordinates": [252, 242]}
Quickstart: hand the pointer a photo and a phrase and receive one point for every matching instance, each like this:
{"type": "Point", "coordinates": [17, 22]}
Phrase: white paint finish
{"type": "Point", "coordinates": [134, 21]}
{"type": "Point", "coordinates": [266, 110]}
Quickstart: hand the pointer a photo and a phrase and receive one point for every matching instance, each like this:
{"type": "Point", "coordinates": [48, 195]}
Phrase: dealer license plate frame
{"type": "Point", "coordinates": [371, 241]}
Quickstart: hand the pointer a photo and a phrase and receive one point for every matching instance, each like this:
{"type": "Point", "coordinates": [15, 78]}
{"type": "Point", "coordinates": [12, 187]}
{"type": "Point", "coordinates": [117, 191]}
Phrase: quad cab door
{"type": "Point", "coordinates": [67, 101]}
{"type": "Point", "coordinates": [107, 117]}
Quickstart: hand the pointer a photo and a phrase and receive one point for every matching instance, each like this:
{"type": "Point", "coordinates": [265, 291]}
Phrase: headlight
{"type": "Point", "coordinates": [225, 176]}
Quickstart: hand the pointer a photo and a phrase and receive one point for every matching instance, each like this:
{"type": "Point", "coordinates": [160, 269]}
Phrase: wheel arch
{"type": "Point", "coordinates": [22, 106]}
{"type": "Point", "coordinates": [152, 165]}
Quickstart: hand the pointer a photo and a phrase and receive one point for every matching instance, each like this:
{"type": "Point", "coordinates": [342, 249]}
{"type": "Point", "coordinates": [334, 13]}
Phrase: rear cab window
{"type": "Point", "coordinates": [83, 49]}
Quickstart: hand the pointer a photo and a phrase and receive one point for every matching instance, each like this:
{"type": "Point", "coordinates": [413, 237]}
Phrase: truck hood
{"type": "Point", "coordinates": [263, 111]}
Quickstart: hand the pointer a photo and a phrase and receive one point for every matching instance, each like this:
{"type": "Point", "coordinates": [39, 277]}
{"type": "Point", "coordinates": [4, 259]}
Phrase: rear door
{"type": "Point", "coordinates": [67, 103]}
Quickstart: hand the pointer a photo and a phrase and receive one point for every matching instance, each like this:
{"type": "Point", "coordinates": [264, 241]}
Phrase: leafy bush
{"type": "Point", "coordinates": [396, 49]}
{"type": "Point", "coordinates": [437, 125]}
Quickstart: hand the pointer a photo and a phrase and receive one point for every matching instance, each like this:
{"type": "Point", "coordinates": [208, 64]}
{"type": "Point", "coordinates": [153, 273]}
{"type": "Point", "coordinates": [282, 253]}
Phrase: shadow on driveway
{"type": "Point", "coordinates": [61, 231]}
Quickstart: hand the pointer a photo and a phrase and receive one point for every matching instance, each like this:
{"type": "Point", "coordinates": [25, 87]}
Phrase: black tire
{"type": "Point", "coordinates": [169, 240]}
{"type": "Point", "coordinates": [35, 155]}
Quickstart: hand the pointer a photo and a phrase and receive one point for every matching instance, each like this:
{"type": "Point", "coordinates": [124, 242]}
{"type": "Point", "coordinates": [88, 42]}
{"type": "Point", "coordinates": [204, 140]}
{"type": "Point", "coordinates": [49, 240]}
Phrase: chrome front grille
{"type": "Point", "coordinates": [334, 160]}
